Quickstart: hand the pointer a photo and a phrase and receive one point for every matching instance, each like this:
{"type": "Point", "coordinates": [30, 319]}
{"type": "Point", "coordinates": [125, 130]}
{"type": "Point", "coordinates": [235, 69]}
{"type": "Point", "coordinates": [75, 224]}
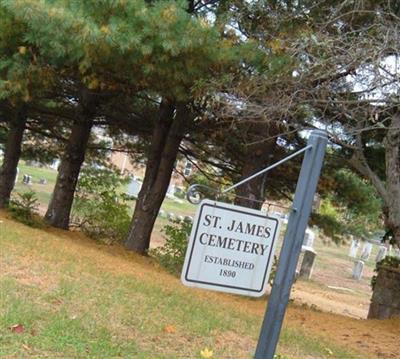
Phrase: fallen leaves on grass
{"type": "Point", "coordinates": [26, 347]}
{"type": "Point", "coordinates": [206, 353]}
{"type": "Point", "coordinates": [17, 328]}
{"type": "Point", "coordinates": [170, 329]}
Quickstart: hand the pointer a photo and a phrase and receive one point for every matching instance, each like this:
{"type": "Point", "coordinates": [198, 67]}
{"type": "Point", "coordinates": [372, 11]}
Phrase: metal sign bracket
{"type": "Point", "coordinates": [300, 212]}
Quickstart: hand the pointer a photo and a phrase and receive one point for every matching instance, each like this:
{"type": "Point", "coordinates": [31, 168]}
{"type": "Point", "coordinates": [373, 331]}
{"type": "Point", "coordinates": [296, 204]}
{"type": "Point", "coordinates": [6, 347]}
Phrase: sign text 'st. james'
{"type": "Point", "coordinates": [230, 249]}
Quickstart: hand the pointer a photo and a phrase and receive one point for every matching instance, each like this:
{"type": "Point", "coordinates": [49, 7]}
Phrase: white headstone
{"type": "Point", "coordinates": [309, 238]}
{"type": "Point", "coordinates": [171, 192]}
{"type": "Point", "coordinates": [358, 270]}
{"type": "Point", "coordinates": [355, 245]}
{"type": "Point", "coordinates": [366, 251]}
{"type": "Point", "coordinates": [55, 164]}
{"type": "Point", "coordinates": [381, 253]}
{"type": "Point", "coordinates": [134, 187]}
{"type": "Point", "coordinates": [171, 216]}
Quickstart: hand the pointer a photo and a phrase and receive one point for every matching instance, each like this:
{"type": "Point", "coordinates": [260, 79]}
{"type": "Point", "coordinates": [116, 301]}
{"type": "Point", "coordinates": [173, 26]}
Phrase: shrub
{"type": "Point", "coordinates": [100, 209]}
{"type": "Point", "coordinates": [172, 254]}
{"type": "Point", "coordinates": [388, 261]}
{"type": "Point", "coordinates": [24, 208]}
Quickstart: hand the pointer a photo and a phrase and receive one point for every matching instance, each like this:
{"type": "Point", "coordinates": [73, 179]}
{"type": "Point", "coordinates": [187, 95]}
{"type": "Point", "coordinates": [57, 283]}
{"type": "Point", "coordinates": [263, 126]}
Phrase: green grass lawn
{"type": "Point", "coordinates": [44, 191]}
{"type": "Point", "coordinates": [184, 208]}
{"type": "Point", "coordinates": [73, 298]}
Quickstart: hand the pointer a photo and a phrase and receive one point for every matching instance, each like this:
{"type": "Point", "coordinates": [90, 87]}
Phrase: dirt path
{"type": "Point", "coordinates": [376, 338]}
{"type": "Point", "coordinates": [339, 300]}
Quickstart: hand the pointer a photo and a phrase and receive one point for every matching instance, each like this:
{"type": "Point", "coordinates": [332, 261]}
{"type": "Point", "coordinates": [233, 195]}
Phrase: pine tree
{"type": "Point", "coordinates": [119, 48]}
{"type": "Point", "coordinates": [23, 80]}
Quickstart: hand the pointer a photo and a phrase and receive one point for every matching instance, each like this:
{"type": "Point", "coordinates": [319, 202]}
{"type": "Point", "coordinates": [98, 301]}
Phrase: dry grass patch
{"type": "Point", "coordinates": [79, 299]}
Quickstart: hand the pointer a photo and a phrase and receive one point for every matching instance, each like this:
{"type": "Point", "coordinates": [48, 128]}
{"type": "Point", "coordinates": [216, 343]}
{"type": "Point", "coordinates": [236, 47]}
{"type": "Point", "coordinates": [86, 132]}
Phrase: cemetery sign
{"type": "Point", "coordinates": [231, 249]}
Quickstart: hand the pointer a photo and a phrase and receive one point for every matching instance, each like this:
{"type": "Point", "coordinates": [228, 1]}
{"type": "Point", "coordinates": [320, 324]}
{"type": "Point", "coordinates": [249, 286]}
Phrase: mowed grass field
{"type": "Point", "coordinates": [44, 191]}
{"type": "Point", "coordinates": [65, 296]}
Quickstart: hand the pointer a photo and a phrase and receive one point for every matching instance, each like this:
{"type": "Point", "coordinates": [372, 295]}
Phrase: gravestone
{"type": "Point", "coordinates": [27, 179]}
{"type": "Point", "coordinates": [171, 192]}
{"type": "Point", "coordinates": [134, 187]}
{"type": "Point", "coordinates": [307, 265]}
{"type": "Point", "coordinates": [381, 253]}
{"type": "Point", "coordinates": [309, 238]}
{"type": "Point", "coordinates": [366, 251]}
{"type": "Point", "coordinates": [355, 245]}
{"type": "Point", "coordinates": [358, 270]}
{"type": "Point", "coordinates": [171, 216]}
{"type": "Point", "coordinates": [55, 164]}
{"type": "Point", "coordinates": [188, 219]}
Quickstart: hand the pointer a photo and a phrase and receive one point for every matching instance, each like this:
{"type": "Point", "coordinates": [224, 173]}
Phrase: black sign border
{"type": "Point", "coordinates": [194, 243]}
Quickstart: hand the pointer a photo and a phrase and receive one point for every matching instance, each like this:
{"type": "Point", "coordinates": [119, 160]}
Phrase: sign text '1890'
{"type": "Point", "coordinates": [230, 249]}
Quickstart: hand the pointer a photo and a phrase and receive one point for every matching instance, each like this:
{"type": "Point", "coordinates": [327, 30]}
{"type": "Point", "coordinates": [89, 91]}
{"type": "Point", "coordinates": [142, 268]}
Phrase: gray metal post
{"type": "Point", "coordinates": [298, 219]}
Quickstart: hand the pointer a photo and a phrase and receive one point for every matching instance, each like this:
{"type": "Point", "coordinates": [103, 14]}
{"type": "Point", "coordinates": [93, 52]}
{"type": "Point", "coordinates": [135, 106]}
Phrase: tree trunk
{"type": "Point", "coordinates": [385, 302]}
{"type": "Point", "coordinates": [252, 194]}
{"type": "Point", "coordinates": [392, 159]}
{"type": "Point", "coordinates": [59, 209]}
{"type": "Point", "coordinates": [12, 154]}
{"type": "Point", "coordinates": [256, 157]}
{"type": "Point", "coordinates": [385, 299]}
{"type": "Point", "coordinates": [167, 136]}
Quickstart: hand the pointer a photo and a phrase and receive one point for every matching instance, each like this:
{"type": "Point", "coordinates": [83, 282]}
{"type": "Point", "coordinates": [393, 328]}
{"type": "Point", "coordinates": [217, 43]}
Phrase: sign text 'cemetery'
{"type": "Point", "coordinates": [231, 249]}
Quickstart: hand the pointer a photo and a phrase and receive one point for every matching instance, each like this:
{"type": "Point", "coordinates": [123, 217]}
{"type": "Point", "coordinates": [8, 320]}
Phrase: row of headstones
{"type": "Point", "coordinates": [27, 179]}
{"type": "Point", "coordinates": [173, 217]}
{"type": "Point", "coordinates": [307, 264]}
{"type": "Point", "coordinates": [366, 251]}
{"type": "Point", "coordinates": [358, 267]}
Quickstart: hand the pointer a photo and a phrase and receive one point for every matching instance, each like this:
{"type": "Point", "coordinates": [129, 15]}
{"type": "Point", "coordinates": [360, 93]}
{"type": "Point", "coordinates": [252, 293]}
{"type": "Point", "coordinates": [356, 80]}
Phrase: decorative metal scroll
{"type": "Point", "coordinates": [197, 192]}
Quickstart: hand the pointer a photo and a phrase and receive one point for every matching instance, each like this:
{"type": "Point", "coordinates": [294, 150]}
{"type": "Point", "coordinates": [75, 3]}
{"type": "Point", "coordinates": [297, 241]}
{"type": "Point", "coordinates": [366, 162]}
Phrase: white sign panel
{"type": "Point", "coordinates": [231, 249]}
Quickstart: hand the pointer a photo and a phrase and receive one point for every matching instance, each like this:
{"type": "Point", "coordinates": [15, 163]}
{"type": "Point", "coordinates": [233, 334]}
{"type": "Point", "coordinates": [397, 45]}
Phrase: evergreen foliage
{"type": "Point", "coordinates": [127, 45]}
{"type": "Point", "coordinates": [100, 209]}
{"type": "Point", "coordinates": [24, 208]}
{"type": "Point", "coordinates": [172, 254]}
{"type": "Point", "coordinates": [129, 54]}
{"type": "Point", "coordinates": [350, 206]}
{"type": "Point", "coordinates": [387, 262]}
